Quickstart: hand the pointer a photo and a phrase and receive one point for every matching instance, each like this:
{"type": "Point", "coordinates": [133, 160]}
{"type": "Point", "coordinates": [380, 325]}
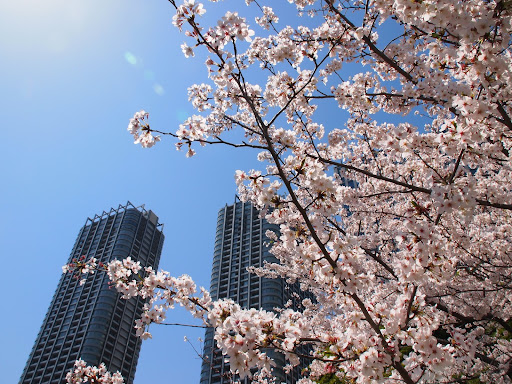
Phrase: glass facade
{"type": "Point", "coordinates": [91, 321]}
{"type": "Point", "coordinates": [240, 242]}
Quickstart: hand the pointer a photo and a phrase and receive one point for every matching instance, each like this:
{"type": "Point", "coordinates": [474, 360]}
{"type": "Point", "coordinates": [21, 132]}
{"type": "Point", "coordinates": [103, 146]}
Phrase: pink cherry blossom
{"type": "Point", "coordinates": [383, 130]}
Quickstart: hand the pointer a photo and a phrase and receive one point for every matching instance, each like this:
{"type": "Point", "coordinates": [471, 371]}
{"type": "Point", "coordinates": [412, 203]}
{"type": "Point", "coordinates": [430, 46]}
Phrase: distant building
{"type": "Point", "coordinates": [240, 242]}
{"type": "Point", "coordinates": [91, 321]}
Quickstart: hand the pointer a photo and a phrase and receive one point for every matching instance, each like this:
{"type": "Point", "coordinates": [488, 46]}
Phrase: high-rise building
{"type": "Point", "coordinates": [91, 321]}
{"type": "Point", "coordinates": [240, 242]}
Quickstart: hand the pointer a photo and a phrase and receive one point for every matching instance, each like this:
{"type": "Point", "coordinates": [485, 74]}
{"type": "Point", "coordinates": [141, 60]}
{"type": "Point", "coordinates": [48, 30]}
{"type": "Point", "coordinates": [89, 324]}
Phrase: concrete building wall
{"type": "Point", "coordinates": [91, 321]}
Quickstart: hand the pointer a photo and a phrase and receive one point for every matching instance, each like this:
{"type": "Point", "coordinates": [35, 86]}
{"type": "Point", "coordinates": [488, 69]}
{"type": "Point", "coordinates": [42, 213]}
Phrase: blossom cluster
{"type": "Point", "coordinates": [241, 334]}
{"type": "Point", "coordinates": [139, 128]}
{"type": "Point", "coordinates": [384, 133]}
{"type": "Point", "coordinates": [188, 10]}
{"type": "Point", "coordinates": [82, 265]}
{"type": "Point", "coordinates": [161, 290]}
{"type": "Point", "coordinates": [82, 373]}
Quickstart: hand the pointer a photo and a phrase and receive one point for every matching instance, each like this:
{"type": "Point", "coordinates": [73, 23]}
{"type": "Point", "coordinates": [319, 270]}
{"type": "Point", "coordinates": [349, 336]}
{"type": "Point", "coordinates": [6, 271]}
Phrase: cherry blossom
{"type": "Point", "coordinates": [383, 129]}
{"type": "Point", "coordinates": [139, 128]}
{"type": "Point", "coordinates": [82, 373]}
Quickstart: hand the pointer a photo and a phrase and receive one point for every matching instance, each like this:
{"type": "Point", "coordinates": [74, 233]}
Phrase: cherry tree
{"type": "Point", "coordinates": [398, 219]}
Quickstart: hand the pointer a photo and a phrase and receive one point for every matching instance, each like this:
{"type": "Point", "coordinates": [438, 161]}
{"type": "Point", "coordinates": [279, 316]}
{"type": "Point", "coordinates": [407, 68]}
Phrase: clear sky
{"type": "Point", "coordinates": [72, 73]}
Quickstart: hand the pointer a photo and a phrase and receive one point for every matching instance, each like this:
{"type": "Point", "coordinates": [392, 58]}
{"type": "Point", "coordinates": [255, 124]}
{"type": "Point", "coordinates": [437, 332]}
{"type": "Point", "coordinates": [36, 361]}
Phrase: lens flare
{"type": "Point", "coordinates": [130, 58]}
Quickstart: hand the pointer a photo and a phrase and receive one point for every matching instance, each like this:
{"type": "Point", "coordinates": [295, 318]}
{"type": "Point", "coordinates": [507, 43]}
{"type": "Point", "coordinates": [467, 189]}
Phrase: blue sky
{"type": "Point", "coordinates": [72, 73]}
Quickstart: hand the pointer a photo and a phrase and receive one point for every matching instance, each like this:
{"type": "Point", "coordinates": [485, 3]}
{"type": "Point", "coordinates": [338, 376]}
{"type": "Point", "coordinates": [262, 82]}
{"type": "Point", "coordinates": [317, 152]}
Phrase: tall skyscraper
{"type": "Point", "coordinates": [91, 321]}
{"type": "Point", "coordinates": [240, 242]}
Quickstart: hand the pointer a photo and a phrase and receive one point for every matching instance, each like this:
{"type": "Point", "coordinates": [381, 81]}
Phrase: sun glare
{"type": "Point", "coordinates": [50, 26]}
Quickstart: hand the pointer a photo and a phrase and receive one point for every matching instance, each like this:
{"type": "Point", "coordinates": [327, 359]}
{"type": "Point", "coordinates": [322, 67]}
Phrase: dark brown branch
{"type": "Point", "coordinates": [377, 194]}
{"type": "Point", "coordinates": [373, 175]}
{"type": "Point", "coordinates": [393, 64]}
{"type": "Point", "coordinates": [396, 364]}
{"type": "Point", "coordinates": [185, 325]}
{"type": "Point", "coordinates": [368, 252]}
{"type": "Point", "coordinates": [457, 164]}
{"type": "Point", "coordinates": [412, 187]}
{"type": "Point", "coordinates": [219, 141]}
{"type": "Point", "coordinates": [409, 306]}
{"type": "Point", "coordinates": [467, 319]}
{"type": "Point", "coordinates": [486, 203]}
{"type": "Point", "coordinates": [484, 358]}
{"type": "Point", "coordinates": [506, 118]}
